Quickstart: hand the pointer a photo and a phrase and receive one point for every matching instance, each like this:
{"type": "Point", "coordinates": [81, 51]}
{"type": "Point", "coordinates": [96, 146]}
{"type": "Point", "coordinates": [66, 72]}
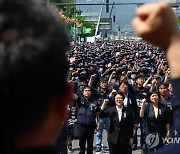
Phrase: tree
{"type": "Point", "coordinates": [178, 19]}
{"type": "Point", "coordinates": [178, 22]}
{"type": "Point", "coordinates": [73, 13]}
{"type": "Point", "coordinates": [71, 9]}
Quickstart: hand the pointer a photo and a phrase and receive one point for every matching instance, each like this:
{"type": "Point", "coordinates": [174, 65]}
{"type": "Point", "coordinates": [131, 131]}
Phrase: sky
{"type": "Point", "coordinates": [123, 13]}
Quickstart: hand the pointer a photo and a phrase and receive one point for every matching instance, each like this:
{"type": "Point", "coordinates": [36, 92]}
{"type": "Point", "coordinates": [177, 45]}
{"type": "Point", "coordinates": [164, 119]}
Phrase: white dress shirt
{"type": "Point", "coordinates": [119, 114]}
{"type": "Point", "coordinates": [125, 100]}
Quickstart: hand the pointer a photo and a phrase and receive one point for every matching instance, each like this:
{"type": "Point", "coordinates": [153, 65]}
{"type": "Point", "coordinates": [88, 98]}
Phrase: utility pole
{"type": "Point", "coordinates": [99, 19]}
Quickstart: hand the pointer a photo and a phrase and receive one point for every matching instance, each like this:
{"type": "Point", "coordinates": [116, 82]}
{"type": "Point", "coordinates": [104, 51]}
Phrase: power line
{"type": "Point", "coordinates": [130, 3]}
{"type": "Point", "coordinates": [96, 3]}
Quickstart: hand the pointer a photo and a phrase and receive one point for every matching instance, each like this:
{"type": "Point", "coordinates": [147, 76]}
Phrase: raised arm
{"type": "Point", "coordinates": [141, 114]}
{"type": "Point", "coordinates": [156, 23]}
{"type": "Point", "coordinates": [113, 74]}
{"type": "Point", "coordinates": [106, 111]}
{"type": "Point", "coordinates": [91, 80]}
{"type": "Point", "coordinates": [146, 82]}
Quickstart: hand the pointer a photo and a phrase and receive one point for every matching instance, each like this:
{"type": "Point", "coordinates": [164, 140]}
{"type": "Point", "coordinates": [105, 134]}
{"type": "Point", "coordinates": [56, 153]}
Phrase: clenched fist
{"type": "Point", "coordinates": [156, 23]}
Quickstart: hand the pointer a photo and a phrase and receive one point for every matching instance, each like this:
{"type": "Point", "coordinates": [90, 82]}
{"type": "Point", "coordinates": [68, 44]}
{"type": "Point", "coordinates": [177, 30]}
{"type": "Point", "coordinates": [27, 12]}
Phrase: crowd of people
{"type": "Point", "coordinates": [136, 69]}
{"type": "Point", "coordinates": [122, 85]}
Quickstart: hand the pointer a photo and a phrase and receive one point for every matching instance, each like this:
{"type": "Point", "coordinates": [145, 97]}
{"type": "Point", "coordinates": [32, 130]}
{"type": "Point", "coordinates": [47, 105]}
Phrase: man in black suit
{"type": "Point", "coordinates": [121, 125]}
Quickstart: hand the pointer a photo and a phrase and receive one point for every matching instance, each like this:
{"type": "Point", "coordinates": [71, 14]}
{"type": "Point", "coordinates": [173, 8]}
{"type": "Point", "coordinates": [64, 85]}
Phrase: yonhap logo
{"type": "Point", "coordinates": [152, 140]}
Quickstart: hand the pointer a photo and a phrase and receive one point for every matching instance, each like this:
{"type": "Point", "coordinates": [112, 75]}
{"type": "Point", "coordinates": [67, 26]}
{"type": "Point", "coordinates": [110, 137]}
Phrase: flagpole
{"type": "Point", "coordinates": [97, 27]}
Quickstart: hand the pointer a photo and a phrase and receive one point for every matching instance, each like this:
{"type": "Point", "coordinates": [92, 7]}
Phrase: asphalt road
{"type": "Point", "coordinates": [105, 149]}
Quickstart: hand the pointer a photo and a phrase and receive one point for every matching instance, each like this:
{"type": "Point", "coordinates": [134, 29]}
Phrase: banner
{"type": "Point", "coordinates": [72, 31]}
{"type": "Point", "coordinates": [86, 30]}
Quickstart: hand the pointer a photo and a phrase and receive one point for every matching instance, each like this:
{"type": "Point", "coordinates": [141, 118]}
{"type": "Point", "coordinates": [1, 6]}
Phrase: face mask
{"type": "Point", "coordinates": [70, 68]}
{"type": "Point", "coordinates": [133, 76]}
{"type": "Point", "coordinates": [101, 70]}
{"type": "Point", "coordinates": [113, 80]}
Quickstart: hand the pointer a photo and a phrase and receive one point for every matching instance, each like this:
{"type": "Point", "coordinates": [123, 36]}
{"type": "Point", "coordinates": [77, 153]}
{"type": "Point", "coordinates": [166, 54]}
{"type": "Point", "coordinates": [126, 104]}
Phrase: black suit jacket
{"type": "Point", "coordinates": [151, 124]}
{"type": "Point", "coordinates": [119, 131]}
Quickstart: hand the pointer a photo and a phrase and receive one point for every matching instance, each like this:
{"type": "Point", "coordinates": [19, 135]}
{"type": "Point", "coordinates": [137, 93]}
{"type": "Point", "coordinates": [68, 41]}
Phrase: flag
{"type": "Point", "coordinates": [86, 30]}
{"type": "Point", "coordinates": [72, 31]}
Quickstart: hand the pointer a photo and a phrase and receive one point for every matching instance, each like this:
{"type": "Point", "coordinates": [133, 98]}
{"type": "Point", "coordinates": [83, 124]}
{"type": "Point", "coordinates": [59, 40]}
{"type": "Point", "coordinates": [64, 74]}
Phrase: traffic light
{"type": "Point", "coordinates": [107, 6]}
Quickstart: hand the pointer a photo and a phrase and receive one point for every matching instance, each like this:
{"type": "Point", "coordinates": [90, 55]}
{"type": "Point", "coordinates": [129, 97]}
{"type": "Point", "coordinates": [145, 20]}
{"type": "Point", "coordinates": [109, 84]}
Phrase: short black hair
{"type": "Point", "coordinates": [86, 87]}
{"type": "Point", "coordinates": [139, 77]}
{"type": "Point", "coordinates": [163, 85]}
{"type": "Point", "coordinates": [33, 65]}
{"type": "Point", "coordinates": [120, 93]}
{"type": "Point", "coordinates": [152, 92]}
{"type": "Point", "coordinates": [103, 80]}
{"type": "Point", "coordinates": [125, 82]}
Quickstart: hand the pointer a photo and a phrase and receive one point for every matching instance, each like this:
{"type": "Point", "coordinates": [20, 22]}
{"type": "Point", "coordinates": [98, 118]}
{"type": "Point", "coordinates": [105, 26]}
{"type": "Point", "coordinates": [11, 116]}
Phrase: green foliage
{"type": "Point", "coordinates": [71, 8]}
{"type": "Point", "coordinates": [72, 13]}
{"type": "Point", "coordinates": [178, 19]}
